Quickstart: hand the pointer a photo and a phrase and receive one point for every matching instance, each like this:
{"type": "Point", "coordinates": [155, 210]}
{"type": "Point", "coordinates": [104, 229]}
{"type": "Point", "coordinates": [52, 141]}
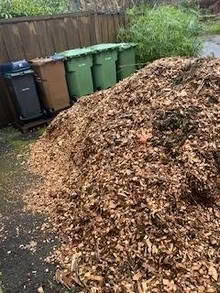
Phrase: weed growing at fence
{"type": "Point", "coordinates": [213, 27]}
{"type": "Point", "coordinates": [162, 31]}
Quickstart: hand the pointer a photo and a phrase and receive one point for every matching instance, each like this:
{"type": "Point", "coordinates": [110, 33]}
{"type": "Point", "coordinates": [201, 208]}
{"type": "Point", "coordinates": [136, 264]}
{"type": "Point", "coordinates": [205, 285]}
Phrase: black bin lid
{"type": "Point", "coordinates": [13, 67]}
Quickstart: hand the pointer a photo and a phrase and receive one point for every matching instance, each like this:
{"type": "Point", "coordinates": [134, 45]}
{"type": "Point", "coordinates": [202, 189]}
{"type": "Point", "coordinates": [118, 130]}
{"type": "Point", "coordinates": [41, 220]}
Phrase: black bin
{"type": "Point", "coordinates": [24, 95]}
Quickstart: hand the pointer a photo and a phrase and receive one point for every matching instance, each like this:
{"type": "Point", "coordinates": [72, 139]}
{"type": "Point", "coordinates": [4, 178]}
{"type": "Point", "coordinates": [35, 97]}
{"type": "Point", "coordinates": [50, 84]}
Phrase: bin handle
{"type": "Point", "coordinates": [38, 79]}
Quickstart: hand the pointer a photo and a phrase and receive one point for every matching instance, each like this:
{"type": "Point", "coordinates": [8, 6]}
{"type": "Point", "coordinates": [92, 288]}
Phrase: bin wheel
{"type": "Point", "coordinates": [72, 102]}
{"type": "Point", "coordinates": [45, 114]}
{"type": "Point", "coordinates": [51, 112]}
{"type": "Point", "coordinates": [21, 121]}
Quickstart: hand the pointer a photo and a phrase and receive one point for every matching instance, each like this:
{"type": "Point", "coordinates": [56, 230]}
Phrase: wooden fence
{"type": "Point", "coordinates": [31, 37]}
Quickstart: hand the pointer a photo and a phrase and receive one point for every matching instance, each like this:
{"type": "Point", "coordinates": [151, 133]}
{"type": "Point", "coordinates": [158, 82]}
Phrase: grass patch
{"type": "Point", "coordinates": [213, 28]}
{"type": "Point", "coordinates": [41, 130]}
{"type": "Point", "coordinates": [163, 31]}
{"type": "Point", "coordinates": [13, 143]}
{"type": "Point", "coordinates": [18, 142]}
{"type": "Point", "coordinates": [20, 145]}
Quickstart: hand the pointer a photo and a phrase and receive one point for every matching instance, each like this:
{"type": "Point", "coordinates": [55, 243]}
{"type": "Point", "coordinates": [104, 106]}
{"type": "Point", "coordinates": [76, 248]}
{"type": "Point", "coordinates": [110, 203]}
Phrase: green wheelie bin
{"type": "Point", "coordinates": [126, 64]}
{"type": "Point", "coordinates": [104, 65]}
{"type": "Point", "coordinates": [78, 66]}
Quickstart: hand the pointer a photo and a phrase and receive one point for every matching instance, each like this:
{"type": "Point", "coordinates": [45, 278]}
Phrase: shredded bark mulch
{"type": "Point", "coordinates": [132, 182]}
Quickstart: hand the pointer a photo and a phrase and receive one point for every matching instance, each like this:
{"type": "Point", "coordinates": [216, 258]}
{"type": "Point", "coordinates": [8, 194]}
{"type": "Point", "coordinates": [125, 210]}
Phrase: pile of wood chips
{"type": "Point", "coordinates": [132, 182]}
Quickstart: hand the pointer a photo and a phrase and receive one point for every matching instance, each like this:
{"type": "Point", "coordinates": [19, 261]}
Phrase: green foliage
{"type": "Point", "coordinates": [189, 4]}
{"type": "Point", "coordinates": [162, 31]}
{"type": "Point", "coordinates": [213, 27]}
{"type": "Point", "coordinates": [17, 8]}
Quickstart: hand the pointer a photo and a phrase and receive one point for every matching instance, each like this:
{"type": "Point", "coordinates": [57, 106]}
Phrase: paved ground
{"type": "Point", "coordinates": [23, 245]}
{"type": "Point", "coordinates": [211, 46]}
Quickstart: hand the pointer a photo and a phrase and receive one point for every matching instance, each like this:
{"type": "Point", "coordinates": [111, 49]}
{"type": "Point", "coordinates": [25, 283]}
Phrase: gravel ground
{"type": "Point", "coordinates": [25, 238]}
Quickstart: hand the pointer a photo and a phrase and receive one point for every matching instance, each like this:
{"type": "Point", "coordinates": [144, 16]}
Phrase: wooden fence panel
{"type": "Point", "coordinates": [29, 39]}
{"type": "Point", "coordinates": [104, 25]}
{"type": "Point", "coordinates": [44, 38]}
{"type": "Point", "coordinates": [56, 30]}
{"type": "Point", "coordinates": [98, 29]}
{"type": "Point", "coordinates": [74, 33]}
{"type": "Point", "coordinates": [117, 22]}
{"type": "Point", "coordinates": [59, 35]}
{"type": "Point", "coordinates": [3, 52]}
{"type": "Point", "coordinates": [84, 30]}
{"type": "Point", "coordinates": [68, 31]}
{"type": "Point", "coordinates": [13, 43]}
{"type": "Point", "coordinates": [111, 28]}
{"type": "Point", "coordinates": [92, 25]}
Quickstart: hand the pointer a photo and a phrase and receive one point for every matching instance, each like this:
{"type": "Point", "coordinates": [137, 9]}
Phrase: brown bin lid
{"type": "Point", "coordinates": [40, 61]}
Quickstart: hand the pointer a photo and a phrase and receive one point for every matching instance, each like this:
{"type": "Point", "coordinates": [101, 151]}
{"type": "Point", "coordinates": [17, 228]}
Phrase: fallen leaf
{"type": "Point", "coordinates": [213, 273]}
{"type": "Point", "coordinates": [144, 136]}
{"type": "Point", "coordinates": [112, 205]}
{"type": "Point", "coordinates": [166, 282]}
{"type": "Point", "coordinates": [183, 93]}
{"type": "Point", "coordinates": [97, 278]}
{"type": "Point", "coordinates": [137, 276]}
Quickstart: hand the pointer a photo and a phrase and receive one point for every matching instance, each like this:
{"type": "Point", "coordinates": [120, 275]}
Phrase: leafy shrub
{"type": "Point", "coordinates": [17, 8]}
{"type": "Point", "coordinates": [162, 31]}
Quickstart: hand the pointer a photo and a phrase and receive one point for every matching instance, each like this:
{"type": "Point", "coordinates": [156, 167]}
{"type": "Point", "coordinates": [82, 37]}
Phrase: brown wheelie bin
{"type": "Point", "coordinates": [51, 80]}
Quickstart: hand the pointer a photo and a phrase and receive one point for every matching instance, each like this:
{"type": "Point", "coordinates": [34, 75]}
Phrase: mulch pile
{"type": "Point", "coordinates": [132, 182]}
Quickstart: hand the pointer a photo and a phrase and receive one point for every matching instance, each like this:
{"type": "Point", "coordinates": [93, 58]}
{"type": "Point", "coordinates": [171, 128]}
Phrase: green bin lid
{"type": "Point", "coordinates": [104, 47]}
{"type": "Point", "coordinates": [75, 53]}
{"type": "Point", "coordinates": [124, 46]}
{"type": "Point", "coordinates": [112, 46]}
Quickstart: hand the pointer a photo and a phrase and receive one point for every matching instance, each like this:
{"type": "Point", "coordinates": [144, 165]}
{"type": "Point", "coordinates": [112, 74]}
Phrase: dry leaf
{"type": "Point", "coordinates": [144, 136]}
{"type": "Point", "coordinates": [112, 205]}
{"type": "Point", "coordinates": [213, 273]}
{"type": "Point", "coordinates": [137, 276]}
{"type": "Point", "coordinates": [96, 278]}
{"type": "Point", "coordinates": [66, 280]}
{"type": "Point", "coordinates": [183, 93]}
{"type": "Point", "coordinates": [142, 287]}
{"type": "Point", "coordinates": [166, 282]}
{"type": "Point", "coordinates": [58, 276]}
